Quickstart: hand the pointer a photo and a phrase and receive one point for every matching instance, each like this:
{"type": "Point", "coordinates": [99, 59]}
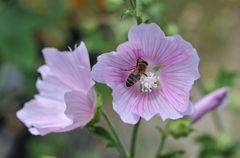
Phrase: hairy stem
{"type": "Point", "coordinates": [133, 139]}
{"type": "Point", "coordinates": [161, 145]}
{"type": "Point", "coordinates": [132, 4]}
{"type": "Point", "coordinates": [121, 149]}
{"type": "Point", "coordinates": [139, 11]}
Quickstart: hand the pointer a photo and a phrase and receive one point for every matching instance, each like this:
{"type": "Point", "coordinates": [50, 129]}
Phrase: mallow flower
{"type": "Point", "coordinates": [210, 102]}
{"type": "Point", "coordinates": [150, 74]}
{"type": "Point", "coordinates": [66, 99]}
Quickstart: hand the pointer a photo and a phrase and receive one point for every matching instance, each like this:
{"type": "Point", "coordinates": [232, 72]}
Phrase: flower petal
{"type": "Point", "coordinates": [44, 113]}
{"type": "Point", "coordinates": [149, 38]}
{"type": "Point", "coordinates": [81, 54]}
{"type": "Point", "coordinates": [52, 88]}
{"type": "Point", "coordinates": [145, 32]}
{"type": "Point", "coordinates": [156, 47]}
{"type": "Point", "coordinates": [131, 104]}
{"type": "Point", "coordinates": [66, 67]}
{"type": "Point", "coordinates": [150, 104]}
{"type": "Point", "coordinates": [176, 81]}
{"type": "Point", "coordinates": [80, 106]}
{"type": "Point", "coordinates": [113, 76]}
{"type": "Point", "coordinates": [123, 103]}
{"type": "Point", "coordinates": [47, 109]}
{"type": "Point", "coordinates": [44, 70]}
{"type": "Point", "coordinates": [43, 131]}
{"type": "Point", "coordinates": [173, 49]}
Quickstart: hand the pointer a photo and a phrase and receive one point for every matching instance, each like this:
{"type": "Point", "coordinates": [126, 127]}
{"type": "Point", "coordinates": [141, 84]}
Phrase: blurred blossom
{"type": "Point", "coordinates": [210, 102]}
{"type": "Point", "coordinates": [66, 99]}
{"type": "Point", "coordinates": [150, 74]}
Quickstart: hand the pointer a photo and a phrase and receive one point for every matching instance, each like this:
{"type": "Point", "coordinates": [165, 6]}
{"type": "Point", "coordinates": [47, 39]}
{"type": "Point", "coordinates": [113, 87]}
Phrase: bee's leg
{"type": "Point", "coordinates": [145, 74]}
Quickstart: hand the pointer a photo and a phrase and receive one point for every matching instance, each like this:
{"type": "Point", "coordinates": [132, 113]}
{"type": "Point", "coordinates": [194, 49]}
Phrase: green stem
{"type": "Point", "coordinates": [161, 145]}
{"type": "Point", "coordinates": [139, 11]}
{"type": "Point", "coordinates": [122, 150]}
{"type": "Point", "coordinates": [217, 121]}
{"type": "Point", "coordinates": [133, 139]}
{"type": "Point", "coordinates": [132, 4]}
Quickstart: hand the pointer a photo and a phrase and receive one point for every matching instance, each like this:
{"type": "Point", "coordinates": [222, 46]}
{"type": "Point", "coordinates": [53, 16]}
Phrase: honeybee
{"type": "Point", "coordinates": [139, 70]}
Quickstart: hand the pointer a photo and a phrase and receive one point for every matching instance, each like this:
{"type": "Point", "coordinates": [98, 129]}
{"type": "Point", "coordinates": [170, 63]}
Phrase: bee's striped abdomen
{"type": "Point", "coordinates": [132, 79]}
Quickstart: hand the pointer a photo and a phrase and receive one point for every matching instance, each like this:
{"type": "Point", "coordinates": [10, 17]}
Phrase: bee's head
{"type": "Point", "coordinates": [141, 61]}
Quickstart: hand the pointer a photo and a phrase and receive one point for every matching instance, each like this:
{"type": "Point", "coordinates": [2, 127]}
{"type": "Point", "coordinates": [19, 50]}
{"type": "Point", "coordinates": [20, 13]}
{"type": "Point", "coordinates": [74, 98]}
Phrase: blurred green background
{"type": "Point", "coordinates": [27, 26]}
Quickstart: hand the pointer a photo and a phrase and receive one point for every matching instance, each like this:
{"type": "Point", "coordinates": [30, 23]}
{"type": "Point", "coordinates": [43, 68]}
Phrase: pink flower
{"type": "Point", "coordinates": [66, 99]}
{"type": "Point", "coordinates": [163, 88]}
{"type": "Point", "coordinates": [210, 102]}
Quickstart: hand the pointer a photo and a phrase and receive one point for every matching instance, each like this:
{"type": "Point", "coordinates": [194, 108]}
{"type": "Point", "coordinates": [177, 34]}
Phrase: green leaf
{"type": "Point", "coordinates": [218, 146]}
{"type": "Point", "coordinates": [206, 141]}
{"type": "Point", "coordinates": [97, 111]}
{"type": "Point", "coordinates": [225, 78]}
{"type": "Point", "coordinates": [224, 141]}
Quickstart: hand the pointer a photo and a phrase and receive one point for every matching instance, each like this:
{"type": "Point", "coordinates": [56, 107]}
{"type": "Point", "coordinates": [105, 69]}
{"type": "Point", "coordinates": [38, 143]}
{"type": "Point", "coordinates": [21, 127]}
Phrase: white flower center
{"type": "Point", "coordinates": [149, 81]}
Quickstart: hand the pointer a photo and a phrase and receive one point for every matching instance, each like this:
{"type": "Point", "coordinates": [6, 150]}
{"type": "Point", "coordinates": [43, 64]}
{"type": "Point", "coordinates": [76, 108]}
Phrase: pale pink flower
{"type": "Point", "coordinates": [210, 102]}
{"type": "Point", "coordinates": [66, 99]}
{"type": "Point", "coordinates": [164, 87]}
